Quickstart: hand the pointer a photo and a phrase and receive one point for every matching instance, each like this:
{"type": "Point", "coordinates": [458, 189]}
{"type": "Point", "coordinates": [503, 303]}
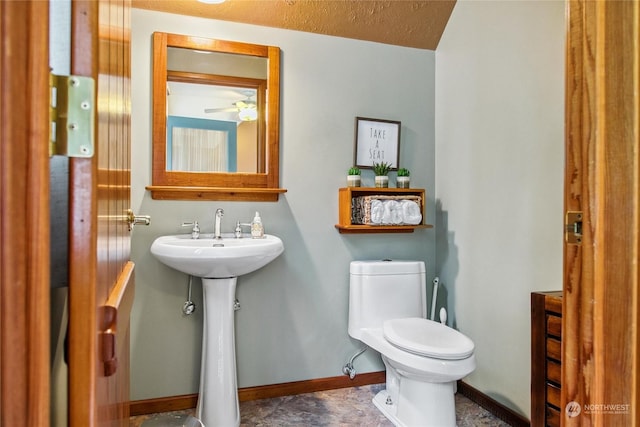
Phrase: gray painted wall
{"type": "Point", "coordinates": [500, 165]}
{"type": "Point", "coordinates": [293, 321]}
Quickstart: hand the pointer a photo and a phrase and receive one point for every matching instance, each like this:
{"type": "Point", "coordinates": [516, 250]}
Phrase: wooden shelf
{"type": "Point", "coordinates": [346, 195]}
{"type": "Point", "coordinates": [370, 229]}
{"type": "Point", "coordinates": [160, 192]}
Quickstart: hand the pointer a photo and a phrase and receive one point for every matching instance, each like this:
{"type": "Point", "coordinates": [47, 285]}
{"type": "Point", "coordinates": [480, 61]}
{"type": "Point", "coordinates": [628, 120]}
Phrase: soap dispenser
{"type": "Point", "coordinates": [257, 229]}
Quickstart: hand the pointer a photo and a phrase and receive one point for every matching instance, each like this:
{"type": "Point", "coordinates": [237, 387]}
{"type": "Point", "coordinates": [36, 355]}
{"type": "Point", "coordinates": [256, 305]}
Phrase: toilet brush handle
{"type": "Point", "coordinates": [443, 316]}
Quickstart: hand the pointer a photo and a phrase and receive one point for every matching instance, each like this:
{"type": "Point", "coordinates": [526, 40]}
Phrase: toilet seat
{"type": "Point", "coordinates": [427, 338]}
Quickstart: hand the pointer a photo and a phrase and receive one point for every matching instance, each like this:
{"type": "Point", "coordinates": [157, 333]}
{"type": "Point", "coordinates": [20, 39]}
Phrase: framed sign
{"type": "Point", "coordinates": [377, 141]}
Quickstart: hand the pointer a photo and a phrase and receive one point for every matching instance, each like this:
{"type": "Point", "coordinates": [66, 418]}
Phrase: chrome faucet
{"type": "Point", "coordinates": [216, 228]}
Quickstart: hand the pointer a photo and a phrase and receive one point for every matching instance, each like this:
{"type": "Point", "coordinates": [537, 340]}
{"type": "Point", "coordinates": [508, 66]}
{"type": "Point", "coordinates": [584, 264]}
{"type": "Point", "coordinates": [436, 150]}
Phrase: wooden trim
{"type": "Point", "coordinates": [24, 222]}
{"type": "Point", "coordinates": [578, 91]}
{"type": "Point", "coordinates": [309, 386]}
{"type": "Point", "coordinates": [538, 358]}
{"type": "Point", "coordinates": [159, 108]}
{"type": "Point", "coordinates": [216, 45]}
{"type": "Point", "coordinates": [219, 80]}
{"type": "Point", "coordinates": [188, 401]}
{"type": "Point", "coordinates": [502, 412]}
{"type": "Point", "coordinates": [273, 121]}
{"type": "Point", "coordinates": [83, 322]}
{"type": "Point", "coordinates": [373, 229]}
{"type": "Point", "coordinates": [165, 192]}
{"type": "Point", "coordinates": [601, 278]}
{"type": "Point", "coordinates": [163, 404]}
{"type": "Point", "coordinates": [268, 130]}
{"type": "Point", "coordinates": [616, 277]}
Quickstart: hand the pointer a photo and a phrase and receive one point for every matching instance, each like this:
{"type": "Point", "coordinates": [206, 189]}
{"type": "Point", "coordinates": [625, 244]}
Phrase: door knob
{"type": "Point", "coordinates": [134, 220]}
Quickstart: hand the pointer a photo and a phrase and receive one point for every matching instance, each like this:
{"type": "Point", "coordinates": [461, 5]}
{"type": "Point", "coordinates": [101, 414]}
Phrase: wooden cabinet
{"type": "Point", "coordinates": [345, 209]}
{"type": "Point", "coordinates": [546, 358]}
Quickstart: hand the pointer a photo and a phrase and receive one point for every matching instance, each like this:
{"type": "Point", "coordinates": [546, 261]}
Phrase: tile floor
{"type": "Point", "coordinates": [343, 407]}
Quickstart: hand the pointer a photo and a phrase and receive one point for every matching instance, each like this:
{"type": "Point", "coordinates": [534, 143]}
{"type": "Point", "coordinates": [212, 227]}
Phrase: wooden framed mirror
{"type": "Point", "coordinates": [216, 117]}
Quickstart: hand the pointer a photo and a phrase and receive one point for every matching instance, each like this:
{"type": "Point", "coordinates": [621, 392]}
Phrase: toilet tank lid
{"type": "Point", "coordinates": [380, 267]}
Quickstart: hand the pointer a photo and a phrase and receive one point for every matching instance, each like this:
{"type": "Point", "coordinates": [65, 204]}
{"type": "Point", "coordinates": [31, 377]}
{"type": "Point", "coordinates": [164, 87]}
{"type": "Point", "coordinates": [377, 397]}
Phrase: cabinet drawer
{"type": "Point", "coordinates": [554, 349]}
{"type": "Point", "coordinates": [554, 373]}
{"type": "Point", "coordinates": [553, 395]}
{"type": "Point", "coordinates": [554, 326]}
{"type": "Point", "coordinates": [553, 417]}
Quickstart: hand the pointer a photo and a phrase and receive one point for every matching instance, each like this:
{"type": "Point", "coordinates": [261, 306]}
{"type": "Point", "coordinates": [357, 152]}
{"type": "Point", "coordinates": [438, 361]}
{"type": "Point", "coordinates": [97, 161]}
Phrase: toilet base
{"type": "Point", "coordinates": [435, 406]}
{"type": "Point", "coordinates": [388, 409]}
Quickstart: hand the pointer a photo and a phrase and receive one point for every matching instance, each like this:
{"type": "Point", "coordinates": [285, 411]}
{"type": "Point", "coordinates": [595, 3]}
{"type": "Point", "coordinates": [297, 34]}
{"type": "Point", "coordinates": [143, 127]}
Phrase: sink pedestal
{"type": "Point", "coordinates": [218, 399]}
{"type": "Point", "coordinates": [225, 259]}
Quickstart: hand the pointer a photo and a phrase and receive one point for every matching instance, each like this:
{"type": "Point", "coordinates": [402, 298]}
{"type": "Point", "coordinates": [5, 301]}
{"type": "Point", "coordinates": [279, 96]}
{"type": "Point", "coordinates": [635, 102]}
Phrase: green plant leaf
{"type": "Point", "coordinates": [381, 169]}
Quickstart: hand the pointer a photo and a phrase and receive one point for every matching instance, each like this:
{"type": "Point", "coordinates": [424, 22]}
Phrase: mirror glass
{"type": "Point", "coordinates": [215, 116]}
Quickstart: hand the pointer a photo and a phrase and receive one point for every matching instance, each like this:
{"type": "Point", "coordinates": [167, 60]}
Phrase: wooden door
{"type": "Point", "coordinates": [101, 282]}
{"type": "Point", "coordinates": [600, 323]}
{"type": "Point", "coordinates": [24, 214]}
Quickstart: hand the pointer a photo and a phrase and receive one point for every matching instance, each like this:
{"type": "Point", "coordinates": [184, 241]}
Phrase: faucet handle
{"type": "Point", "coordinates": [195, 231]}
{"type": "Point", "coordinates": [238, 230]}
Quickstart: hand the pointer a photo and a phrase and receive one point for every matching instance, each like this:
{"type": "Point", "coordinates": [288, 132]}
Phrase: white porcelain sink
{"type": "Point", "coordinates": [211, 258]}
{"type": "Point", "coordinates": [219, 262]}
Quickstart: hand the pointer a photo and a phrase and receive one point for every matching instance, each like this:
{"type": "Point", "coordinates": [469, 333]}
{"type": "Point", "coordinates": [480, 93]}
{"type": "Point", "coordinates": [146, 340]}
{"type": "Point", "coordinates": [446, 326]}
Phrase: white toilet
{"type": "Point", "coordinates": [423, 358]}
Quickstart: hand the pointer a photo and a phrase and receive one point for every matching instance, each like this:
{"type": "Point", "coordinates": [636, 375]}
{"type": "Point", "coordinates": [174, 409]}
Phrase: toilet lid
{"type": "Point", "coordinates": [427, 338]}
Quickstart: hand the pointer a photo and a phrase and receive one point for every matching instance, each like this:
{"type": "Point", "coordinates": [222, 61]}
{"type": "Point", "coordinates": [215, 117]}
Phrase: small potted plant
{"type": "Point", "coordinates": [403, 179]}
{"type": "Point", "coordinates": [381, 170]}
{"type": "Point", "coordinates": [353, 177]}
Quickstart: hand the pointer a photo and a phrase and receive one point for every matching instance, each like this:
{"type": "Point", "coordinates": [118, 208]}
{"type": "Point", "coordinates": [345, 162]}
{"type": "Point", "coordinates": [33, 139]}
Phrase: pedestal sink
{"type": "Point", "coordinates": [219, 262]}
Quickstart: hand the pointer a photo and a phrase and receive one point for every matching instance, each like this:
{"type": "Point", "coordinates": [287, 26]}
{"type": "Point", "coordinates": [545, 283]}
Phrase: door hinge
{"type": "Point", "coordinates": [573, 228]}
{"type": "Point", "coordinates": [71, 116]}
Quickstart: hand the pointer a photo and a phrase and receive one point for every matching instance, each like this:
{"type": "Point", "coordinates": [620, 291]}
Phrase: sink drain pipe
{"type": "Point", "coordinates": [349, 369]}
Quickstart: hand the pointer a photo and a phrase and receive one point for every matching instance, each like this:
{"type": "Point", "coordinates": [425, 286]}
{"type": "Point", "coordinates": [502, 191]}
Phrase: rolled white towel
{"type": "Point", "coordinates": [411, 212]}
{"type": "Point", "coordinates": [386, 213]}
{"type": "Point", "coordinates": [392, 212]}
{"type": "Point", "coordinates": [396, 212]}
{"type": "Point", "coordinates": [377, 211]}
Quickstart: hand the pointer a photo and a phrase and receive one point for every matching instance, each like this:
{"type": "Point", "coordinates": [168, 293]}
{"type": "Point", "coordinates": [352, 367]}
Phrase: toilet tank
{"type": "Point", "coordinates": [382, 290]}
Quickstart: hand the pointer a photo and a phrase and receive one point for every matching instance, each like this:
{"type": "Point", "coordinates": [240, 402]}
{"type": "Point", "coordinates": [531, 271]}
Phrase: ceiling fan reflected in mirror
{"type": "Point", "coordinates": [247, 109]}
{"type": "Point", "coordinates": [221, 102]}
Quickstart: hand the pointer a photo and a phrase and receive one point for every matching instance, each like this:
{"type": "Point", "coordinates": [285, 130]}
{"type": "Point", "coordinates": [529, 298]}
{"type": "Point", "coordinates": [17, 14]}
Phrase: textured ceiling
{"type": "Point", "coordinates": [417, 24]}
